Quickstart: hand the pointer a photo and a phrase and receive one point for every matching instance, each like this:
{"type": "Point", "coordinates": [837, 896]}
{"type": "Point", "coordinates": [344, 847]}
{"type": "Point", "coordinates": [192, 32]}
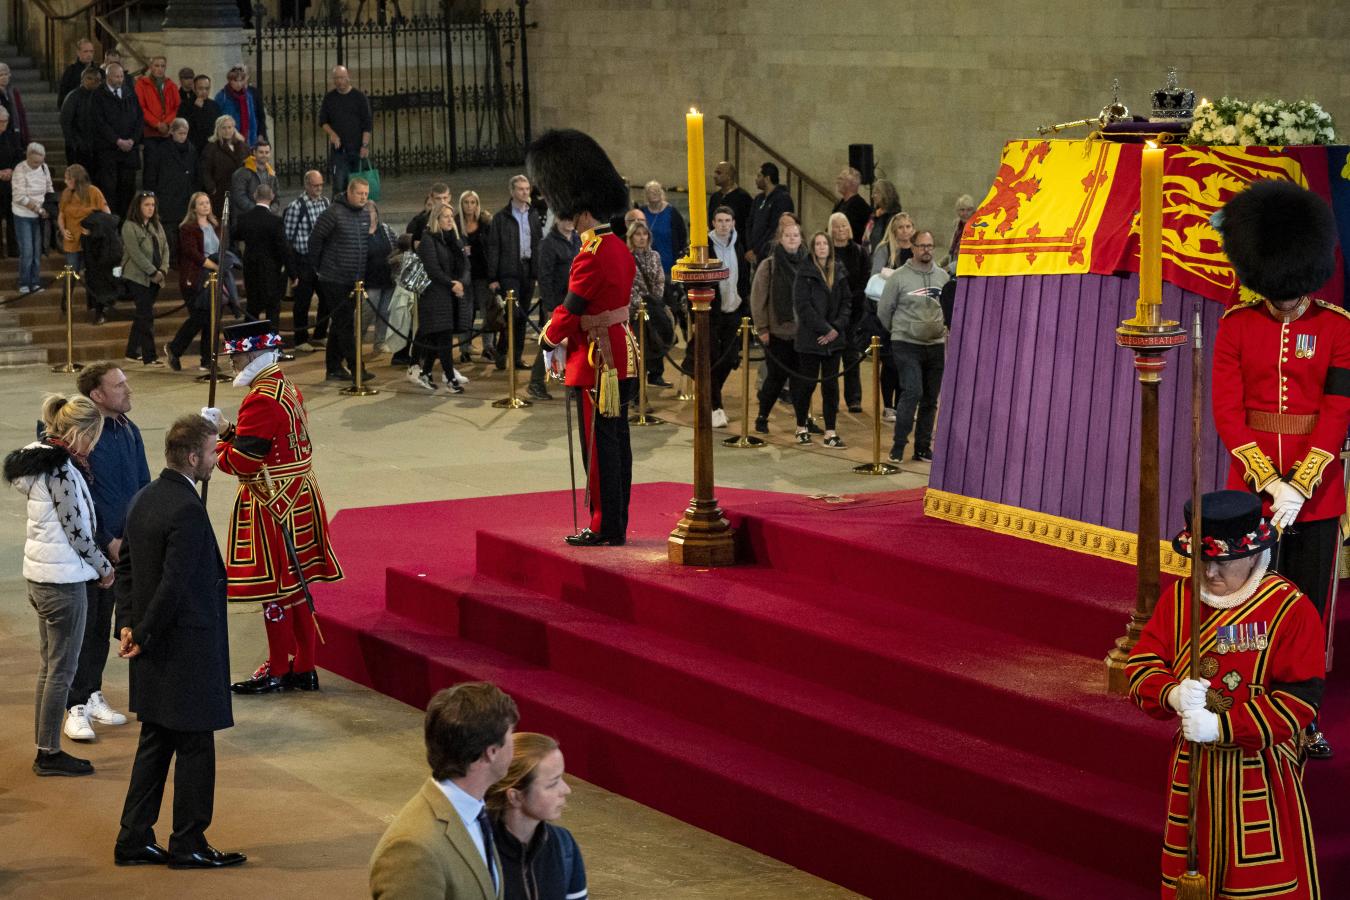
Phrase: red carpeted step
{"type": "Point", "coordinates": [1074, 601]}
{"type": "Point", "coordinates": [811, 817]}
{"type": "Point", "coordinates": [926, 663]}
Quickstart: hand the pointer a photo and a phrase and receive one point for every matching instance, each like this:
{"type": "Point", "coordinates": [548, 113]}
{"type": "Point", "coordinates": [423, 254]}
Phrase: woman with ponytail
{"type": "Point", "coordinates": [60, 559]}
{"type": "Point", "coordinates": [540, 860]}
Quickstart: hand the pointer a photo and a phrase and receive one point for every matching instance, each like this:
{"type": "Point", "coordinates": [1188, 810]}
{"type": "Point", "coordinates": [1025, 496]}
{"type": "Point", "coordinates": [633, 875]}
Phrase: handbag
{"type": "Point", "coordinates": [494, 317]}
{"type": "Point", "coordinates": [366, 169]}
{"type": "Point", "coordinates": [875, 285]}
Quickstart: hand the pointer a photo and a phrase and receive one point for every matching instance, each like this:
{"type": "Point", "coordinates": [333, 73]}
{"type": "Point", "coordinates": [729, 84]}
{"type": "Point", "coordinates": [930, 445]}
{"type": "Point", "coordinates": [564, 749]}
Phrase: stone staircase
{"type": "Point", "coordinates": [39, 100]}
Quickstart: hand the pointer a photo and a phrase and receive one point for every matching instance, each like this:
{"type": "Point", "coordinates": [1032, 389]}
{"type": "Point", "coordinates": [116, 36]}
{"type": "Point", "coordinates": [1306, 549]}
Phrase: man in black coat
{"type": "Point", "coordinates": [171, 619]}
{"type": "Point", "coordinates": [517, 231]}
{"type": "Point", "coordinates": [769, 205]}
{"type": "Point", "coordinates": [70, 78]}
{"type": "Point", "coordinates": [77, 121]}
{"type": "Point", "coordinates": [118, 127]}
{"type": "Point", "coordinates": [264, 239]}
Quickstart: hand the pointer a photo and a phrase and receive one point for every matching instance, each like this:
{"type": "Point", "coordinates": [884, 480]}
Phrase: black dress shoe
{"type": "Point", "coordinates": [207, 858]}
{"type": "Point", "coordinates": [537, 392]}
{"type": "Point", "coordinates": [855, 407]}
{"type": "Point", "coordinates": [285, 356]}
{"type": "Point", "coordinates": [762, 425]}
{"type": "Point", "coordinates": [263, 684]}
{"type": "Point", "coordinates": [1318, 748]}
{"type": "Point", "coordinates": [300, 681]}
{"type": "Point", "coordinates": [659, 381]}
{"type": "Point", "coordinates": [338, 375]}
{"type": "Point", "coordinates": [149, 855]}
{"type": "Point", "coordinates": [588, 538]}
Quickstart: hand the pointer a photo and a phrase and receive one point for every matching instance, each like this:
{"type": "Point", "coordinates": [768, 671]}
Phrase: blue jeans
{"type": "Point", "coordinates": [76, 261]}
{"type": "Point", "coordinates": [29, 232]}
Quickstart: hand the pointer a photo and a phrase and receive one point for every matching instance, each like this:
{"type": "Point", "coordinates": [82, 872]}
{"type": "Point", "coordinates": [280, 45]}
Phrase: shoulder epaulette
{"type": "Point", "coordinates": [1245, 304]}
{"type": "Point", "coordinates": [1339, 310]}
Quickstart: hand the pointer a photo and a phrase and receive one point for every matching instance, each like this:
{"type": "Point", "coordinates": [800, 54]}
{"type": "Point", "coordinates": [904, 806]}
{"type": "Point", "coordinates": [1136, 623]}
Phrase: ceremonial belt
{"type": "Point", "coordinates": [597, 329]}
{"type": "Point", "coordinates": [1281, 423]}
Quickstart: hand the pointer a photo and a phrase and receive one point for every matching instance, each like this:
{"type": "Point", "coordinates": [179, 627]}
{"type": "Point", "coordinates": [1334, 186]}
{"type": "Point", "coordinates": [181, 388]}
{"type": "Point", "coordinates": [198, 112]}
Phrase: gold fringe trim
{"type": "Point", "coordinates": [1043, 528]}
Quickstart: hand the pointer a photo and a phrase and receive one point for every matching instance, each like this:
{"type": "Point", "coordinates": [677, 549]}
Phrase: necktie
{"type": "Point", "coordinates": [486, 828]}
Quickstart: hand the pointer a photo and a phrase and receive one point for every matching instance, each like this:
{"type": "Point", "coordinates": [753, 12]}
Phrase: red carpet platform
{"type": "Point", "coordinates": [903, 706]}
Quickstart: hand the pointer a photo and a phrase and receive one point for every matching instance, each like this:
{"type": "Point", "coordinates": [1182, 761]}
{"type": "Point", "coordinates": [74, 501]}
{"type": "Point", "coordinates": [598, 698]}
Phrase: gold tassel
{"type": "Point", "coordinates": [1191, 886]}
{"type": "Point", "coordinates": [608, 402]}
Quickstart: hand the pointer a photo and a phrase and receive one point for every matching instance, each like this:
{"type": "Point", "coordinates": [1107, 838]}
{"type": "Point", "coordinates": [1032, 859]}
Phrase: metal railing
{"type": "Point", "coordinates": [49, 36]}
{"type": "Point", "coordinates": [734, 133]}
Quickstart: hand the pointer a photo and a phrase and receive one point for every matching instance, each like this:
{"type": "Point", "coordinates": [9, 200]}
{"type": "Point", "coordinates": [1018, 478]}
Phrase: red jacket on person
{"type": "Point", "coordinates": [600, 282]}
{"type": "Point", "coordinates": [191, 259]}
{"type": "Point", "coordinates": [156, 108]}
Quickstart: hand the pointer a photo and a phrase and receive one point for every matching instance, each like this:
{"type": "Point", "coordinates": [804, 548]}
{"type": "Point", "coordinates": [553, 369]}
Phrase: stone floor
{"type": "Point", "coordinates": [307, 783]}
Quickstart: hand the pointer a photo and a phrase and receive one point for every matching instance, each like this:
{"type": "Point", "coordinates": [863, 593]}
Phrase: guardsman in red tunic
{"type": "Point", "coordinates": [580, 183]}
{"type": "Point", "coordinates": [1259, 686]}
{"type": "Point", "coordinates": [278, 504]}
{"type": "Point", "coordinates": [1281, 385]}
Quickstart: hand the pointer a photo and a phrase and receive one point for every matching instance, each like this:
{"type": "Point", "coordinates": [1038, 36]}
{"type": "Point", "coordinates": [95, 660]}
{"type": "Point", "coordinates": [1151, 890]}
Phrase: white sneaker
{"type": "Point", "coordinates": [719, 418]}
{"type": "Point", "coordinates": [414, 376]}
{"type": "Point", "coordinates": [888, 415]}
{"type": "Point", "coordinates": [77, 726]}
{"type": "Point", "coordinates": [460, 379]}
{"type": "Point", "coordinates": [98, 709]}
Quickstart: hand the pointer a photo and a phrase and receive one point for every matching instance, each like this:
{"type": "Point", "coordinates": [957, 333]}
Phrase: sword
{"type": "Point", "coordinates": [300, 574]}
{"type": "Point", "coordinates": [571, 458]}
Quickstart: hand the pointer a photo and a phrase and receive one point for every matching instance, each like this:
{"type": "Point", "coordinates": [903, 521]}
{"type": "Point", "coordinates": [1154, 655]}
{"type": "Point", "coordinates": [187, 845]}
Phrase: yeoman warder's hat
{"type": "Point", "coordinates": [245, 337]}
{"type": "Point", "coordinates": [1280, 238]}
{"type": "Point", "coordinates": [575, 175]}
{"type": "Point", "coordinates": [1232, 527]}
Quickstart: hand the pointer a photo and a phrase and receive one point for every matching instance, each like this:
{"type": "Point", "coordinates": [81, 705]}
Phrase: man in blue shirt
{"type": "Point", "coordinates": [119, 470]}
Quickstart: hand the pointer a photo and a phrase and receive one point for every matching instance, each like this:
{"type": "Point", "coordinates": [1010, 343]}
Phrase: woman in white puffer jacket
{"type": "Point", "coordinates": [60, 559]}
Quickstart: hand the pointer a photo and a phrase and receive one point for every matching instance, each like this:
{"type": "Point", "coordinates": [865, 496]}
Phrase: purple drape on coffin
{"type": "Point", "coordinates": [1040, 408]}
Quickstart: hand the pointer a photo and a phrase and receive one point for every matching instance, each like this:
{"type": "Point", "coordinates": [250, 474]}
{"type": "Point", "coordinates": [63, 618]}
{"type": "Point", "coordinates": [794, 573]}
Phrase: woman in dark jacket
{"type": "Point", "coordinates": [438, 306]}
{"type": "Point", "coordinates": [539, 860]}
{"type": "Point", "coordinates": [379, 280]}
{"type": "Point", "coordinates": [197, 242]}
{"type": "Point", "coordinates": [474, 227]}
{"type": "Point", "coordinates": [172, 175]}
{"type": "Point", "coordinates": [821, 300]}
{"type": "Point", "coordinates": [223, 154]}
{"type": "Point", "coordinates": [856, 265]}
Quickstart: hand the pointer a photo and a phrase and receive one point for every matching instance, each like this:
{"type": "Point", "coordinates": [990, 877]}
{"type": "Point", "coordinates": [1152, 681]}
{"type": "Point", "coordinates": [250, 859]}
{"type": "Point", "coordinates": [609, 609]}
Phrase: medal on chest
{"type": "Point", "coordinates": [1305, 345]}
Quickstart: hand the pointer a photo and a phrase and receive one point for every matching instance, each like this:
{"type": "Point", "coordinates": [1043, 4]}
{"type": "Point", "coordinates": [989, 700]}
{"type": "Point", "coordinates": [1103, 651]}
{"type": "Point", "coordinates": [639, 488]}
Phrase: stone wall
{"type": "Point", "coordinates": [937, 88]}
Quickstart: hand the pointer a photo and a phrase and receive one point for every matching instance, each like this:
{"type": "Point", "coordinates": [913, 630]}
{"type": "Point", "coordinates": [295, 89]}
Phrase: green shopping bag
{"type": "Point", "coordinates": [366, 169]}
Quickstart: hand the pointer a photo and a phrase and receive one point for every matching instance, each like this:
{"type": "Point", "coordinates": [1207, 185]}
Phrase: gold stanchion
{"type": "Point", "coordinates": [641, 417]}
{"type": "Point", "coordinates": [358, 387]}
{"type": "Point", "coordinates": [876, 466]}
{"type": "Point", "coordinates": [511, 401]}
{"type": "Point", "coordinates": [70, 277]}
{"type": "Point", "coordinates": [684, 388]}
{"type": "Point", "coordinates": [745, 438]}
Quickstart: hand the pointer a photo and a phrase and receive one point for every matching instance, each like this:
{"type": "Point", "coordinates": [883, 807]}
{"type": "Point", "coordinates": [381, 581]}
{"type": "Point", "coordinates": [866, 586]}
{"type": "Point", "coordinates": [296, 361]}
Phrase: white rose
{"type": "Point", "coordinates": [1287, 118]}
{"type": "Point", "coordinates": [1227, 134]}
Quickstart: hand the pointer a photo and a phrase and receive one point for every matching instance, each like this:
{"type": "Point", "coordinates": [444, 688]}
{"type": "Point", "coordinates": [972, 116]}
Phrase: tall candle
{"type": "Point", "coordinates": [1150, 226]}
{"type": "Point", "coordinates": [698, 198]}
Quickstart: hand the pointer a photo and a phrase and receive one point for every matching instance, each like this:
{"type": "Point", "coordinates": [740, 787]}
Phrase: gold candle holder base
{"type": "Point", "coordinates": [876, 469]}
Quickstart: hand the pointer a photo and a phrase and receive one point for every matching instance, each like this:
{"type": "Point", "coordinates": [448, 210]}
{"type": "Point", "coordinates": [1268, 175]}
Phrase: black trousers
{"type": "Point", "coordinates": [302, 294]}
{"type": "Point", "coordinates": [341, 350]}
{"type": "Point", "coordinates": [194, 788]}
{"type": "Point", "coordinates": [783, 357]}
{"type": "Point", "coordinates": [141, 340]}
{"type": "Point", "coordinates": [437, 345]}
{"type": "Point", "coordinates": [94, 648]}
{"type": "Point", "coordinates": [825, 367]}
{"type": "Point", "coordinates": [919, 370]}
{"type": "Point", "coordinates": [609, 469]}
{"type": "Point", "coordinates": [197, 323]}
{"type": "Point", "coordinates": [116, 181]}
{"type": "Point", "coordinates": [852, 370]}
{"type": "Point", "coordinates": [1307, 557]}
{"type": "Point", "coordinates": [260, 305]}
{"type": "Point", "coordinates": [524, 296]}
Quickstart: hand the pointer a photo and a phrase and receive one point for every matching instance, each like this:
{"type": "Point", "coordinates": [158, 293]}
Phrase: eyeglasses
{"type": "Point", "coordinates": [922, 246]}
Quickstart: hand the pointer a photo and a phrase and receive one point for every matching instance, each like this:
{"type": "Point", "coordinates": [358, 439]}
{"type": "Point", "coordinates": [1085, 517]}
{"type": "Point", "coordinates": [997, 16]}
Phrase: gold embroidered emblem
{"type": "Point", "coordinates": [1308, 473]}
{"type": "Point", "coordinates": [1216, 702]}
{"type": "Point", "coordinates": [1209, 667]}
{"type": "Point", "coordinates": [1260, 470]}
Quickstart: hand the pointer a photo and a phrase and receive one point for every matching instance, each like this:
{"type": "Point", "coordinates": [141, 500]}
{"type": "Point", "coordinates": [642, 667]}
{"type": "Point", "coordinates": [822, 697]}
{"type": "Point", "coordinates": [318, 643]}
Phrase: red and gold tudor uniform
{"type": "Point", "coordinates": [1264, 661]}
{"type": "Point", "coordinates": [268, 449]}
{"type": "Point", "coordinates": [1281, 400]}
{"type": "Point", "coordinates": [593, 320]}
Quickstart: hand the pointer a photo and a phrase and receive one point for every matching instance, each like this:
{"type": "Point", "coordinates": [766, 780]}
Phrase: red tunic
{"type": "Point", "coordinates": [601, 282]}
{"type": "Point", "coordinates": [270, 453]}
{"type": "Point", "coordinates": [1267, 366]}
{"type": "Point", "coordinates": [1251, 783]}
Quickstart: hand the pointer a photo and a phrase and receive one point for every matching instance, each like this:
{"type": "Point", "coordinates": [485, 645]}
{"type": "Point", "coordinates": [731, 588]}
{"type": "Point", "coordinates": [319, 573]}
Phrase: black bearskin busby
{"type": "Point", "coordinates": [1280, 238]}
{"type": "Point", "coordinates": [575, 175]}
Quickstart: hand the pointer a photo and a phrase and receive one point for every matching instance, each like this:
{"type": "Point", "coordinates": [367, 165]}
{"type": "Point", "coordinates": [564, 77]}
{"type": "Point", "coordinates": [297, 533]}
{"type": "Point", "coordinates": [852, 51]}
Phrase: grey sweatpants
{"type": "Point", "coordinates": [61, 609]}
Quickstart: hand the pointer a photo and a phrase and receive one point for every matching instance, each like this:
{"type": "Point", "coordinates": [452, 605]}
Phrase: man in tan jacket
{"type": "Point", "coordinates": [440, 845]}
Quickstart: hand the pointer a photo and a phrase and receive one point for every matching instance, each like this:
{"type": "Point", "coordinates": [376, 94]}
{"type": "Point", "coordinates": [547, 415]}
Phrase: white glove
{"type": "Point", "coordinates": [555, 362]}
{"type": "Point", "coordinates": [1285, 503]}
{"type": "Point", "coordinates": [214, 416]}
{"type": "Point", "coordinates": [1190, 694]}
{"type": "Point", "coordinates": [1200, 725]}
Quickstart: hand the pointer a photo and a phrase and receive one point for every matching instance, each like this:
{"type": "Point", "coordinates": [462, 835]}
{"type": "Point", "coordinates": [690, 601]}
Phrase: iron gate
{"type": "Point", "coordinates": [444, 94]}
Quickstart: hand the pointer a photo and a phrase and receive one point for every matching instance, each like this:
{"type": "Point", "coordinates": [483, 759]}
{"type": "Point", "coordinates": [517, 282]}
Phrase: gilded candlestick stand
{"type": "Point", "coordinates": [510, 401]}
{"type": "Point", "coordinates": [69, 276]}
{"type": "Point", "coordinates": [745, 438]}
{"type": "Point", "coordinates": [358, 387]}
{"type": "Point", "coordinates": [703, 537]}
{"type": "Point", "coordinates": [640, 418]}
{"type": "Point", "coordinates": [1149, 336]}
{"type": "Point", "coordinates": [876, 466]}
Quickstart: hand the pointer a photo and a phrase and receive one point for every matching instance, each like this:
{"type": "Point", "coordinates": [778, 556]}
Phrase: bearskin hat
{"type": "Point", "coordinates": [575, 175]}
{"type": "Point", "coordinates": [1280, 238]}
